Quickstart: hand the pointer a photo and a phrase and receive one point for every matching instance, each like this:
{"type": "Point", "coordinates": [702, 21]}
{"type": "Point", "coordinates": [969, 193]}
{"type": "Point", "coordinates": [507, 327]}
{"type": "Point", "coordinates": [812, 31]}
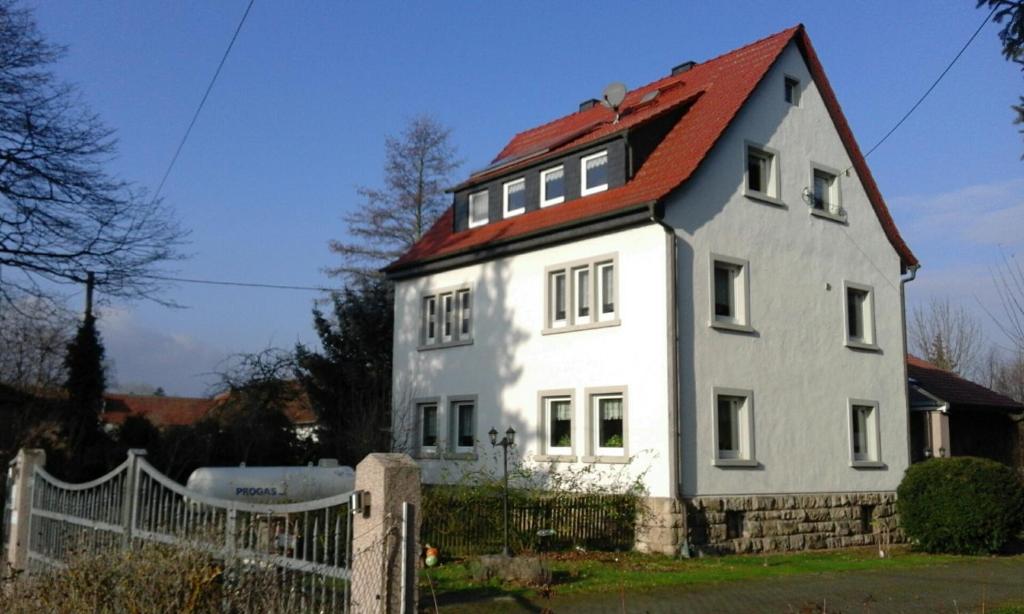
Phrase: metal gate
{"type": "Point", "coordinates": [307, 545]}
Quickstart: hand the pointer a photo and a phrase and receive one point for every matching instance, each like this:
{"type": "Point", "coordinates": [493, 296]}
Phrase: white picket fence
{"type": "Point", "coordinates": [309, 545]}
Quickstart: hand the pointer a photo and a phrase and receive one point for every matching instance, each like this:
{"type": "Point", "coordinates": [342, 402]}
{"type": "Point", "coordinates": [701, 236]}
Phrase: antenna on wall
{"type": "Point", "coordinates": [613, 96]}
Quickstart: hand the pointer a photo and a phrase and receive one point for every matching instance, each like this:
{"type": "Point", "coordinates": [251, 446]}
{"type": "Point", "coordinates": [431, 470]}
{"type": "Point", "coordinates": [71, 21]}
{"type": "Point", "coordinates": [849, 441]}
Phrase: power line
{"type": "Point", "coordinates": [202, 102]}
{"type": "Point", "coordinates": [935, 83]}
{"type": "Point", "coordinates": [242, 284]}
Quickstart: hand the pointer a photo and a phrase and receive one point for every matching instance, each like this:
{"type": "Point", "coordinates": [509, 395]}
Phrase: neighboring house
{"type": "Point", "coordinates": [186, 411]}
{"type": "Point", "coordinates": [703, 288]}
{"type": "Point", "coordinates": [951, 416]}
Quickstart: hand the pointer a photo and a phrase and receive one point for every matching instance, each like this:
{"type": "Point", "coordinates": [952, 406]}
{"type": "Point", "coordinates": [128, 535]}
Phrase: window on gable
{"type": "Point", "coordinates": [558, 425]}
{"type": "Point", "coordinates": [606, 290]}
{"type": "Point", "coordinates": [478, 208]}
{"type": "Point", "coordinates": [515, 197]}
{"type": "Point", "coordinates": [463, 412]}
{"type": "Point", "coordinates": [447, 318]}
{"type": "Point", "coordinates": [733, 427]}
{"type": "Point", "coordinates": [557, 289]}
{"type": "Point", "coordinates": [729, 293]}
{"type": "Point", "coordinates": [864, 433]}
{"type": "Point", "coordinates": [825, 193]}
{"type": "Point", "coordinates": [552, 186]}
{"type": "Point", "coordinates": [428, 427]}
{"type": "Point", "coordinates": [860, 325]}
{"type": "Point", "coordinates": [761, 180]}
{"type": "Point", "coordinates": [792, 91]}
{"type": "Point", "coordinates": [609, 415]}
{"type": "Point", "coordinates": [430, 320]}
{"type": "Point", "coordinates": [594, 173]}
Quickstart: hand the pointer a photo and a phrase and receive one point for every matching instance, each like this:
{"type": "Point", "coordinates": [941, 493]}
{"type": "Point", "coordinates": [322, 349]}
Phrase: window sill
{"type": "Point", "coordinates": [464, 456]}
{"type": "Point", "coordinates": [555, 458]}
{"type": "Point", "coordinates": [868, 465]}
{"type": "Point", "coordinates": [765, 198]}
{"type": "Point", "coordinates": [622, 460]}
{"type": "Point", "coordinates": [513, 213]}
{"type": "Point", "coordinates": [448, 344]}
{"type": "Point", "coordinates": [569, 329]}
{"type": "Point", "coordinates": [734, 462]}
{"type": "Point", "coordinates": [594, 190]}
{"type": "Point", "coordinates": [731, 326]}
{"type": "Point", "coordinates": [861, 346]}
{"type": "Point", "coordinates": [552, 203]}
{"type": "Point", "coordinates": [832, 217]}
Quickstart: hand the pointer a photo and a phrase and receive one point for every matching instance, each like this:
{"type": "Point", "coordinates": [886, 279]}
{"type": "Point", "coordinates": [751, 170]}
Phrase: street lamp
{"type": "Point", "coordinates": [508, 440]}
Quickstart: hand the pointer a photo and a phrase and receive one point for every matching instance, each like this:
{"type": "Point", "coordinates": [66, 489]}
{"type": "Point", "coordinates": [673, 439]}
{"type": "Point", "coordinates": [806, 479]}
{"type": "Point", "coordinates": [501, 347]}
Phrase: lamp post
{"type": "Point", "coordinates": [508, 440]}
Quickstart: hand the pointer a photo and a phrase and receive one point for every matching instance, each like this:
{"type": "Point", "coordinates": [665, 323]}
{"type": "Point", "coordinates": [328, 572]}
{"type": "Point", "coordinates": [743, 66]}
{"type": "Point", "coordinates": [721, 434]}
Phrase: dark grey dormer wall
{"type": "Point", "coordinates": [617, 172]}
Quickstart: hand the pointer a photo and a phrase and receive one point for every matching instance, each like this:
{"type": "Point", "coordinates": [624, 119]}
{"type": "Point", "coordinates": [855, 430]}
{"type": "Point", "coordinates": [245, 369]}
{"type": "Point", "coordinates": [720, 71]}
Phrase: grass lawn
{"type": "Point", "coordinates": [579, 573]}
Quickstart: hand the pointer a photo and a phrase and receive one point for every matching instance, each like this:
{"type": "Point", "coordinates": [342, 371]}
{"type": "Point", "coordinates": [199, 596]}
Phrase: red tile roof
{"type": "Point", "coordinates": [954, 389]}
{"type": "Point", "coordinates": [715, 89]}
{"type": "Point", "coordinates": [161, 411]}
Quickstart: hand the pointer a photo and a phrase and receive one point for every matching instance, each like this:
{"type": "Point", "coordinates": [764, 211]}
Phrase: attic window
{"type": "Point", "coordinates": [552, 186]}
{"type": "Point", "coordinates": [478, 207]}
{"type": "Point", "coordinates": [594, 173]}
{"type": "Point", "coordinates": [515, 197]}
{"type": "Point", "coordinates": [792, 89]}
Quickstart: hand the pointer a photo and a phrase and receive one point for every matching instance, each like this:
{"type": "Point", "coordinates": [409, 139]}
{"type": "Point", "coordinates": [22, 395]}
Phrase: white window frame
{"type": "Point", "coordinates": [544, 200]}
{"type": "Point", "coordinates": [740, 294]}
{"type": "Point", "coordinates": [872, 459]}
{"type": "Point", "coordinates": [552, 298]}
{"type": "Point", "coordinates": [834, 207]}
{"type": "Point", "coordinates": [773, 192]}
{"type": "Point", "coordinates": [584, 190]}
{"type": "Point", "coordinates": [465, 315]}
{"type": "Point", "coordinates": [573, 319]}
{"type": "Point", "coordinates": [867, 318]}
{"type": "Point", "coordinates": [551, 452]}
{"type": "Point", "coordinates": [473, 222]}
{"type": "Point", "coordinates": [796, 90]}
{"type": "Point", "coordinates": [421, 405]}
{"type": "Point", "coordinates": [454, 336]}
{"type": "Point", "coordinates": [504, 197]}
{"type": "Point", "coordinates": [597, 453]}
{"type": "Point", "coordinates": [454, 404]}
{"type": "Point", "coordinates": [587, 291]}
{"type": "Point", "coordinates": [745, 456]}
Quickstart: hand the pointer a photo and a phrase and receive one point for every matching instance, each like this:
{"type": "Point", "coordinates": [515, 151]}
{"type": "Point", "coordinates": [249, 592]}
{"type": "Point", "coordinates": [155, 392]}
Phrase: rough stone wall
{"type": "Point", "coordinates": [775, 523]}
{"type": "Point", "coordinates": [661, 527]}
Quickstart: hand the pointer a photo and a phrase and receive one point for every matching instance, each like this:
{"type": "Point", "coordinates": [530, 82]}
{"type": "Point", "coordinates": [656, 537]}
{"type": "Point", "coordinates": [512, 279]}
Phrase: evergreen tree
{"type": "Point", "coordinates": [348, 382]}
{"type": "Point", "coordinates": [87, 378]}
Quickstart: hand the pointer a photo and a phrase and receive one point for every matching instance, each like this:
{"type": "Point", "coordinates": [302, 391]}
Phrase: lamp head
{"type": "Point", "coordinates": [494, 436]}
{"type": "Point", "coordinates": [510, 434]}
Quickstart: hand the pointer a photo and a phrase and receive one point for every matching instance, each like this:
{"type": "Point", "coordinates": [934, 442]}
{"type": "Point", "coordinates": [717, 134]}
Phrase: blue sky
{"type": "Point", "coordinates": [297, 120]}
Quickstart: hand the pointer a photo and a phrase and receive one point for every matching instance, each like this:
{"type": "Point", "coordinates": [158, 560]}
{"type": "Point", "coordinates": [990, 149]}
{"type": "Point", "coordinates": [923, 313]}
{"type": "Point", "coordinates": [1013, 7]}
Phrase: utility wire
{"type": "Point", "coordinates": [242, 284]}
{"type": "Point", "coordinates": [935, 83]}
{"type": "Point", "coordinates": [202, 102]}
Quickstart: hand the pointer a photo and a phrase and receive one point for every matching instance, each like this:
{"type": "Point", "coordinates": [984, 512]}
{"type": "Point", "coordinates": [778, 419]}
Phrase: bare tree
{"type": "Point", "coordinates": [1012, 38]}
{"type": "Point", "coordinates": [61, 213]}
{"type": "Point", "coordinates": [1005, 374]}
{"type": "Point", "coordinates": [947, 336]}
{"type": "Point", "coordinates": [1009, 282]}
{"type": "Point", "coordinates": [34, 335]}
{"type": "Point", "coordinates": [417, 169]}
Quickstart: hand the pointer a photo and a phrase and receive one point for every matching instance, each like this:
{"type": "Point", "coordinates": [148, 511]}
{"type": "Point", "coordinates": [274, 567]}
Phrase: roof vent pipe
{"type": "Point", "coordinates": [679, 69]}
{"type": "Point", "coordinates": [591, 102]}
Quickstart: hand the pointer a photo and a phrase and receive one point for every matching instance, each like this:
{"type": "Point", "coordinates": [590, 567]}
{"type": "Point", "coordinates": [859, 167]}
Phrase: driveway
{"type": "Point", "coordinates": [953, 588]}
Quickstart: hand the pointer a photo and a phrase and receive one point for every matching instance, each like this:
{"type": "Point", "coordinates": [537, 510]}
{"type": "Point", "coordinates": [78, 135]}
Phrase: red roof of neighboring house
{"type": "Point", "coordinates": [954, 389]}
{"type": "Point", "coordinates": [161, 411]}
{"type": "Point", "coordinates": [715, 90]}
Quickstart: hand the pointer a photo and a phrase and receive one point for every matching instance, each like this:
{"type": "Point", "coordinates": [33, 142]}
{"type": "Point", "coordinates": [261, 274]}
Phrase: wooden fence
{"type": "Point", "coordinates": [462, 523]}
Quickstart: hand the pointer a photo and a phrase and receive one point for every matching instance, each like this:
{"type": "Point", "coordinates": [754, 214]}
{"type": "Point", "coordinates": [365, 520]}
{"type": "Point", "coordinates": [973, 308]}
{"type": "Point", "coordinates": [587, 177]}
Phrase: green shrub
{"type": "Point", "coordinates": [961, 505]}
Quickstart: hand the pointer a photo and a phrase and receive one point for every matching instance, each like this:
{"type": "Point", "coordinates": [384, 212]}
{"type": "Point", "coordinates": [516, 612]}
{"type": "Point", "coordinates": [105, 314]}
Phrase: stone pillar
{"type": "Point", "coordinates": [388, 481]}
{"type": "Point", "coordinates": [940, 434]}
{"type": "Point", "coordinates": [661, 526]}
{"type": "Point", "coordinates": [23, 468]}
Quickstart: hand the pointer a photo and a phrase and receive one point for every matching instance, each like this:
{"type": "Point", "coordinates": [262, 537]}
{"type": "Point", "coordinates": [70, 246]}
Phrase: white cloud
{"type": "Point", "coordinates": [179, 363]}
{"type": "Point", "coordinates": [978, 215]}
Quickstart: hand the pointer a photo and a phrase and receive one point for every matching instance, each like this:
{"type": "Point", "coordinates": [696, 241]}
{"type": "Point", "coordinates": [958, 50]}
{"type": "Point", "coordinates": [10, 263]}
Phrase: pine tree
{"type": "Point", "coordinates": [87, 379]}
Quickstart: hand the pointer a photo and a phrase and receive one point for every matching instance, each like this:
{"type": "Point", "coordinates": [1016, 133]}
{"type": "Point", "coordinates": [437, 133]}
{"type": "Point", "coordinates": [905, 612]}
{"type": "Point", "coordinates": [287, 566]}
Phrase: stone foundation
{"type": "Point", "coordinates": [768, 523]}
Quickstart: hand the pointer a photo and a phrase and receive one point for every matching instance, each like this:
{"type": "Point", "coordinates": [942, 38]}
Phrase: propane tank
{"type": "Point", "coordinates": [273, 484]}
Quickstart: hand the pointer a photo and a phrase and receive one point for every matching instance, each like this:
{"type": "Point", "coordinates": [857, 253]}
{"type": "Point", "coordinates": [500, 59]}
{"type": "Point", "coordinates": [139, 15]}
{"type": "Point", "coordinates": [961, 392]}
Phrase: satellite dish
{"type": "Point", "coordinates": [613, 95]}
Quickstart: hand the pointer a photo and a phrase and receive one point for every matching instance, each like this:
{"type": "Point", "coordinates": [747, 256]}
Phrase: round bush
{"type": "Point", "coordinates": [961, 505]}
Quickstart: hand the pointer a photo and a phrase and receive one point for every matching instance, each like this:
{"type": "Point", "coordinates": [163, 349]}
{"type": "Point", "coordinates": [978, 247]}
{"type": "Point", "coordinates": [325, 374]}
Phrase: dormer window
{"type": "Point", "coordinates": [515, 197]}
{"type": "Point", "coordinates": [594, 173]}
{"type": "Point", "coordinates": [552, 186]}
{"type": "Point", "coordinates": [478, 208]}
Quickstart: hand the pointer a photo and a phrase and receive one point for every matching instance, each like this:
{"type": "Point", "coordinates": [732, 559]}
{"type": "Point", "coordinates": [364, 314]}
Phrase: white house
{"type": "Point", "coordinates": [702, 284]}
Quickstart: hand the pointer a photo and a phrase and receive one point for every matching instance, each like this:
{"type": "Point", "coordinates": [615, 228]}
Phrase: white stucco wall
{"type": "Point", "coordinates": [801, 374]}
{"type": "Point", "coordinates": [510, 361]}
